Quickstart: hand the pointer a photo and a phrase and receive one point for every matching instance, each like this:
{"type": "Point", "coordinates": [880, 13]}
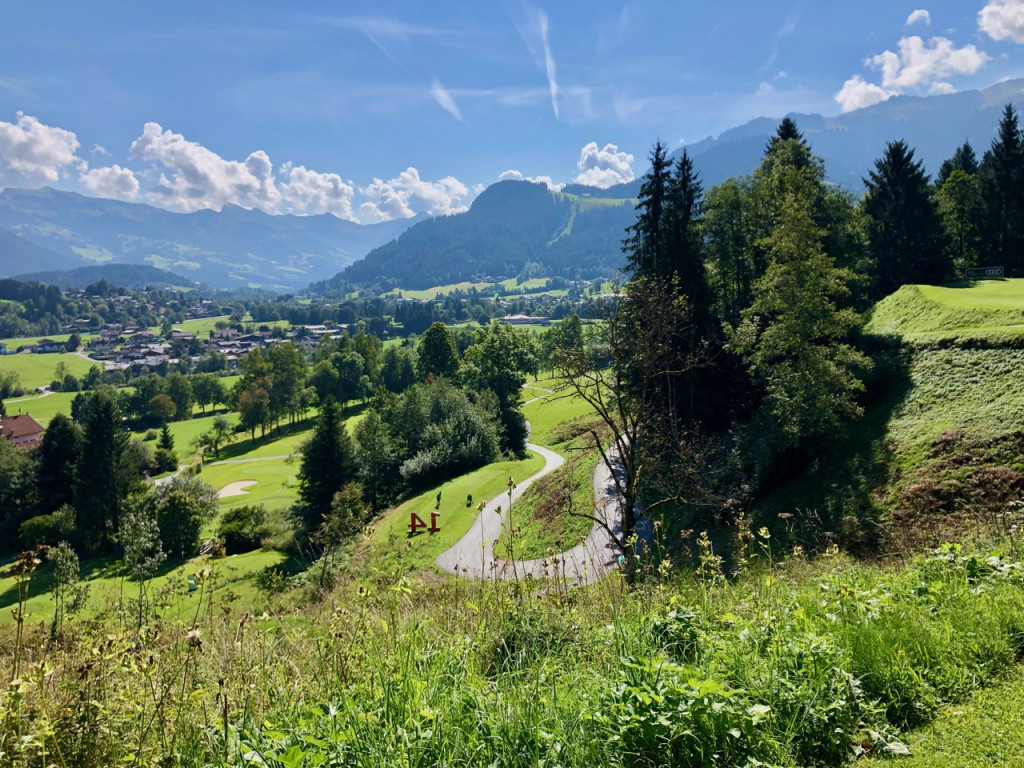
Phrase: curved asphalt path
{"type": "Point", "coordinates": [473, 557]}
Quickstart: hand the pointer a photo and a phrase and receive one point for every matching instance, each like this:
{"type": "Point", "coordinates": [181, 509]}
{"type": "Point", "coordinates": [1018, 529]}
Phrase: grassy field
{"type": "Point", "coordinates": [510, 284]}
{"type": "Point", "coordinates": [390, 546]}
{"type": "Point", "coordinates": [38, 370]}
{"type": "Point", "coordinates": [275, 484]}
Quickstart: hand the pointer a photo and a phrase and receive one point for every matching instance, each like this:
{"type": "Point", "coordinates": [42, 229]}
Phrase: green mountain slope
{"type": "Point", "coordinates": [511, 224]}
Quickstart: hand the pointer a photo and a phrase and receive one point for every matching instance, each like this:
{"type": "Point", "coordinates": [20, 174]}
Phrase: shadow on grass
{"type": "Point", "coordinates": [826, 493]}
{"type": "Point", "coordinates": [244, 444]}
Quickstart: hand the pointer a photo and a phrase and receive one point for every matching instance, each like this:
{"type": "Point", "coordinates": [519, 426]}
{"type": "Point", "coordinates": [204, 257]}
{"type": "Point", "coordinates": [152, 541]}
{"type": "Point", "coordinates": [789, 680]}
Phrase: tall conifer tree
{"type": "Point", "coordinates": [904, 231]}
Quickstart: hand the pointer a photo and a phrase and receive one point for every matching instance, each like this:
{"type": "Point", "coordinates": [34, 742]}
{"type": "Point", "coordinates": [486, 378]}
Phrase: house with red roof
{"type": "Point", "coordinates": [22, 430]}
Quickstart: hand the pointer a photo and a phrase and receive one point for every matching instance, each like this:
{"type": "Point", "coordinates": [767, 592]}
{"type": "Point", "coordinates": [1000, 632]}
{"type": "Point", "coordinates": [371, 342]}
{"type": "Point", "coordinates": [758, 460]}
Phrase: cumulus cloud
{"type": "Point", "coordinates": [857, 93]}
{"type": "Point", "coordinates": [408, 194]}
{"type": "Point", "coordinates": [34, 153]}
{"type": "Point", "coordinates": [445, 100]}
{"type": "Point", "coordinates": [308, 192]}
{"type": "Point", "coordinates": [1003, 20]}
{"type": "Point", "coordinates": [114, 181]}
{"type": "Point", "coordinates": [919, 15]}
{"type": "Point", "coordinates": [513, 175]}
{"type": "Point", "coordinates": [918, 66]}
{"type": "Point", "coordinates": [201, 178]}
{"type": "Point", "coordinates": [604, 167]}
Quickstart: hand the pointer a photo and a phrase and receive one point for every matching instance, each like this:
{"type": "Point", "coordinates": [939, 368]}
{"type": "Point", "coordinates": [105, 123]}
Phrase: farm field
{"type": "Point", "coordinates": [38, 370]}
{"type": "Point", "coordinates": [14, 343]}
{"type": "Point", "coordinates": [42, 407]}
{"type": "Point", "coordinates": [443, 290]}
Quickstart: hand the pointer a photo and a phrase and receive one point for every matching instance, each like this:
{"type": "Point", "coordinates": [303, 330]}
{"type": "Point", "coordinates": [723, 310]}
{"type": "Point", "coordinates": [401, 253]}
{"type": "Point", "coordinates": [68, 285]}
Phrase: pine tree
{"type": "Point", "coordinates": [1002, 187]}
{"type": "Point", "coordinates": [786, 131]}
{"type": "Point", "coordinates": [59, 452]}
{"type": "Point", "coordinates": [963, 159]}
{"type": "Point", "coordinates": [328, 462]}
{"type": "Point", "coordinates": [643, 244]}
{"type": "Point", "coordinates": [102, 481]}
{"type": "Point", "coordinates": [904, 231]}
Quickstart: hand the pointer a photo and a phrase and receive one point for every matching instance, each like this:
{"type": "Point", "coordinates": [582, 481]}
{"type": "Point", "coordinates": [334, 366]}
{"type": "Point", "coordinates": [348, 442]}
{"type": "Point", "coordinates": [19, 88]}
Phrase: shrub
{"type": "Point", "coordinates": [166, 461]}
{"type": "Point", "coordinates": [151, 434]}
{"type": "Point", "coordinates": [243, 528]}
{"type": "Point", "coordinates": [48, 529]}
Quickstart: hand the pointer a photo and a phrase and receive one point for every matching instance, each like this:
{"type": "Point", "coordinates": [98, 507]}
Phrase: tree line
{"type": "Point", "coordinates": [733, 352]}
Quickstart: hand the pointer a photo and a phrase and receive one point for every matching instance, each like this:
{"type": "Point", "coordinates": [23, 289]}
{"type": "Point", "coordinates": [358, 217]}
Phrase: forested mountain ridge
{"type": "Point", "coordinates": [510, 226]}
{"type": "Point", "coordinates": [231, 248]}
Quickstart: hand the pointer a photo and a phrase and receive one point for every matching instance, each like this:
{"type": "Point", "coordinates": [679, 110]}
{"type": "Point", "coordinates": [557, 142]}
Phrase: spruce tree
{"type": "Point", "coordinates": [59, 452]}
{"type": "Point", "coordinates": [328, 462]}
{"type": "Point", "coordinates": [963, 159]}
{"type": "Point", "coordinates": [1002, 187]}
{"type": "Point", "coordinates": [102, 481]}
{"type": "Point", "coordinates": [904, 231]}
{"type": "Point", "coordinates": [643, 244]}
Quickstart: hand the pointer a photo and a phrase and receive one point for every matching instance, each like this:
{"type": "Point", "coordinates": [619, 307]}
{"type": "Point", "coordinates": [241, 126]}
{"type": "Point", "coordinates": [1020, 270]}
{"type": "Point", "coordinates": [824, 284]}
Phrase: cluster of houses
{"type": "Point", "coordinates": [124, 348]}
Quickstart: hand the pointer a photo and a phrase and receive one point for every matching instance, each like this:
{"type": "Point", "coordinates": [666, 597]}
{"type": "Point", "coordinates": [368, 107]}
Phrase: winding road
{"type": "Point", "coordinates": [473, 557]}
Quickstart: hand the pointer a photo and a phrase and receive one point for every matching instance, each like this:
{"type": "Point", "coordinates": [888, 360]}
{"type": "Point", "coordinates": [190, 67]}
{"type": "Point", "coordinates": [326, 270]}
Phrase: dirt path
{"type": "Point", "coordinates": [472, 556]}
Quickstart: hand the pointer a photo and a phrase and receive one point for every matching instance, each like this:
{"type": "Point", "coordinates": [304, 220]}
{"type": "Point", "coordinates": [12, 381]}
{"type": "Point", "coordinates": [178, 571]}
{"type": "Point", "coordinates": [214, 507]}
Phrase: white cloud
{"type": "Point", "coordinates": [1003, 20]}
{"type": "Point", "coordinates": [513, 175]}
{"type": "Point", "coordinates": [921, 15]}
{"type": "Point", "coordinates": [858, 93]}
{"type": "Point", "coordinates": [311, 192]}
{"type": "Point", "coordinates": [917, 66]}
{"type": "Point", "coordinates": [98, 149]}
{"type": "Point", "coordinates": [535, 35]}
{"type": "Point", "coordinates": [201, 178]}
{"type": "Point", "coordinates": [604, 167]}
{"type": "Point", "coordinates": [34, 153]}
{"type": "Point", "coordinates": [445, 100]}
{"type": "Point", "coordinates": [408, 194]}
{"type": "Point", "coordinates": [114, 181]}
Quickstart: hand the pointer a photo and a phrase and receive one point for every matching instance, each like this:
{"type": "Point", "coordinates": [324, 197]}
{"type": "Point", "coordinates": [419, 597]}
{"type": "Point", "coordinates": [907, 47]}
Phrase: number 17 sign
{"type": "Point", "coordinates": [416, 523]}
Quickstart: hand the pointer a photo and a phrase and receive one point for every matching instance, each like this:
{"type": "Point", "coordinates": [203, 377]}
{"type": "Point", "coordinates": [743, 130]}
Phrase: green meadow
{"type": "Point", "coordinates": [39, 370]}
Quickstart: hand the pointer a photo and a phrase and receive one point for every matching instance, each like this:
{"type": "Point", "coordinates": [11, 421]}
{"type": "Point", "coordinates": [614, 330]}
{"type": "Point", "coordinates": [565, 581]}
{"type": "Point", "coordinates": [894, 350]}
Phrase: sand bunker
{"type": "Point", "coordinates": [235, 489]}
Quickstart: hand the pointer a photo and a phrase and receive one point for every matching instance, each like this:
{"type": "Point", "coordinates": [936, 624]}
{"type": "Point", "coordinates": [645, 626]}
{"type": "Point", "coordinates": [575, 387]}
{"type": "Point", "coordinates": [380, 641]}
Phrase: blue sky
{"type": "Point", "coordinates": [377, 111]}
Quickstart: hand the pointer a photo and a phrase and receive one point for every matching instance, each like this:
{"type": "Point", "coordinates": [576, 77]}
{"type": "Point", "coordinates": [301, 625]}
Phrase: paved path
{"type": "Point", "coordinates": [473, 557]}
{"type": "Point", "coordinates": [247, 461]}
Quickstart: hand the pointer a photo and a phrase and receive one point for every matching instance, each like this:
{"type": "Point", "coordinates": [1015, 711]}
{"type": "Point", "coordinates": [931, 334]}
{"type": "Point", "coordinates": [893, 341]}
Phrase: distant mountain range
{"type": "Point", "coordinates": [933, 125]}
{"type": "Point", "coordinates": [511, 227]}
{"type": "Point", "coordinates": [227, 249]}
{"type": "Point", "coordinates": [133, 276]}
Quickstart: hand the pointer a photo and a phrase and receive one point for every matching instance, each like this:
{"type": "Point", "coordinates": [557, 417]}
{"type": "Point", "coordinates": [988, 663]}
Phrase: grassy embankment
{"type": "Point", "coordinates": [940, 447]}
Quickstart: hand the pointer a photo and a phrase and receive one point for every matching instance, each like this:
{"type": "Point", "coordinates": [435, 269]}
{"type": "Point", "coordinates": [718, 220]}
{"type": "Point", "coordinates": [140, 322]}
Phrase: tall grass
{"type": "Point", "coordinates": [796, 663]}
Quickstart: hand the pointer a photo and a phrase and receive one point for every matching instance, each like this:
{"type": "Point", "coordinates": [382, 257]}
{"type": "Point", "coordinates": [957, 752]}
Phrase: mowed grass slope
{"type": "Point", "coordinates": [926, 312]}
